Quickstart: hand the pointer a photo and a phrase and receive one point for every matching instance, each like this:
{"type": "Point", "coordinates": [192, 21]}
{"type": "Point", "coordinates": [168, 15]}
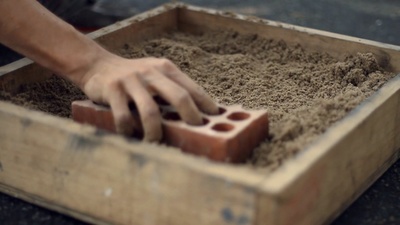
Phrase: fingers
{"type": "Point", "coordinates": [148, 109]}
{"type": "Point", "coordinates": [200, 97]}
{"type": "Point", "coordinates": [128, 123]}
{"type": "Point", "coordinates": [120, 81]}
{"type": "Point", "coordinates": [125, 122]}
{"type": "Point", "coordinates": [176, 95]}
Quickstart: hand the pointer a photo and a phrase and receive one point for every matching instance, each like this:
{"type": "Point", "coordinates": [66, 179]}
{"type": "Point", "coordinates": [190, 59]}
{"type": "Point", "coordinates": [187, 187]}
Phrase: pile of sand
{"type": "Point", "coordinates": [304, 92]}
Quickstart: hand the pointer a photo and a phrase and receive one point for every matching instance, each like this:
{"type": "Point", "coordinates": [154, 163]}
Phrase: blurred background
{"type": "Point", "coordinates": [377, 20]}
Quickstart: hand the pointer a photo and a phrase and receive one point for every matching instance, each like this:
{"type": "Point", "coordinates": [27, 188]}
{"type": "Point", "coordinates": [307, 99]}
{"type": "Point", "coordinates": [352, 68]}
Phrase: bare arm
{"type": "Point", "coordinates": [33, 31]}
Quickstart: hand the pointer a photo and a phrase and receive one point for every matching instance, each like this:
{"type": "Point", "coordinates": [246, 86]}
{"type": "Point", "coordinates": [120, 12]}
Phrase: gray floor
{"type": "Point", "coordinates": [371, 19]}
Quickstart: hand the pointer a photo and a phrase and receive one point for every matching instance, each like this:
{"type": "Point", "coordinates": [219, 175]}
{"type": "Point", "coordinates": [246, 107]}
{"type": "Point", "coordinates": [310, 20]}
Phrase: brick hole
{"type": "Point", "coordinates": [160, 101]}
{"type": "Point", "coordinates": [223, 127]}
{"type": "Point", "coordinates": [132, 106]}
{"type": "Point", "coordinates": [98, 103]}
{"type": "Point", "coordinates": [221, 110]}
{"type": "Point", "coordinates": [238, 116]}
{"type": "Point", "coordinates": [172, 116]}
{"type": "Point", "coordinates": [205, 122]}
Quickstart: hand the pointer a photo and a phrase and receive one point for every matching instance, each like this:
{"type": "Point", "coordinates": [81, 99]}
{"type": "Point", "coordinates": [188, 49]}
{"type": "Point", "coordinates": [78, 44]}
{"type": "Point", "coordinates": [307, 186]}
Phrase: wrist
{"type": "Point", "coordinates": [77, 67]}
{"type": "Point", "coordinates": [95, 62]}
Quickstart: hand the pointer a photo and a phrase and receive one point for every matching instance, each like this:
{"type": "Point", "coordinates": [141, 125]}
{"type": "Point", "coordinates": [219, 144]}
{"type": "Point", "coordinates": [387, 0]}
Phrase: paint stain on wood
{"type": "Point", "coordinates": [138, 159]}
{"type": "Point", "coordinates": [229, 217]}
{"type": "Point", "coordinates": [26, 122]}
{"type": "Point", "coordinates": [243, 220]}
{"type": "Point", "coordinates": [77, 142]}
{"type": "Point", "coordinates": [100, 133]}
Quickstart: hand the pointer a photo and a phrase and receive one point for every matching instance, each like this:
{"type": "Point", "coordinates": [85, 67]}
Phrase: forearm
{"type": "Point", "coordinates": [30, 29]}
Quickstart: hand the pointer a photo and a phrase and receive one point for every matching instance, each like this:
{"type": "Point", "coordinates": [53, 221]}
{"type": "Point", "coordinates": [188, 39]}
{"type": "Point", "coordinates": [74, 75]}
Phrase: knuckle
{"type": "Point", "coordinates": [165, 64]}
{"type": "Point", "coordinates": [113, 85]}
{"type": "Point", "coordinates": [182, 99]}
{"type": "Point", "coordinates": [147, 76]}
{"type": "Point", "coordinates": [111, 89]}
{"type": "Point", "coordinates": [152, 58]}
{"type": "Point", "coordinates": [145, 71]}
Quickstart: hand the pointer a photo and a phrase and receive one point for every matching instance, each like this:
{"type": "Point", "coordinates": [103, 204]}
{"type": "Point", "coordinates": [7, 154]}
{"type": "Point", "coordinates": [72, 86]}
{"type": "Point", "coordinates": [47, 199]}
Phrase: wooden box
{"type": "Point", "coordinates": [106, 179]}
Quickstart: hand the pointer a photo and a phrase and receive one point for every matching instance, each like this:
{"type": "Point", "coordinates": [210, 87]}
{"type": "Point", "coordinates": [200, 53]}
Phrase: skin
{"type": "Point", "coordinates": [30, 29]}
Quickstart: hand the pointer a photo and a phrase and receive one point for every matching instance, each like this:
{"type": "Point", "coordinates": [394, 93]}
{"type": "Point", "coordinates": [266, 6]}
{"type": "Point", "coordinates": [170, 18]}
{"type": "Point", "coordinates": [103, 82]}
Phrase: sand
{"type": "Point", "coordinates": [304, 92]}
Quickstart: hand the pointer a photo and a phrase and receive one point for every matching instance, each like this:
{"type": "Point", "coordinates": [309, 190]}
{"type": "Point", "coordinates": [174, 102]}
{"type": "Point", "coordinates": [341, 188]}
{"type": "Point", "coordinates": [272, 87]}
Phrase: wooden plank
{"type": "Point", "coordinates": [105, 179]}
{"type": "Point", "coordinates": [21, 72]}
{"type": "Point", "coordinates": [138, 28]}
{"type": "Point", "coordinates": [195, 19]}
{"type": "Point", "coordinates": [322, 180]}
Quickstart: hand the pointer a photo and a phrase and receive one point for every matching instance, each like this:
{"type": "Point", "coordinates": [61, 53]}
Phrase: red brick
{"type": "Point", "coordinates": [229, 137]}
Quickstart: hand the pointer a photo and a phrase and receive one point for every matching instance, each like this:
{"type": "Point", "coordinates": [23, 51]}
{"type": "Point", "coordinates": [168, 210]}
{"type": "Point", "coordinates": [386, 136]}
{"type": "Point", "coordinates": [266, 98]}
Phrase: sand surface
{"type": "Point", "coordinates": [304, 92]}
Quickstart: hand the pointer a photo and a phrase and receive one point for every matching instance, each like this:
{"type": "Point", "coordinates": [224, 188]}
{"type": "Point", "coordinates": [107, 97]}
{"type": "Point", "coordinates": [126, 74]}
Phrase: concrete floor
{"type": "Point", "coordinates": [371, 19]}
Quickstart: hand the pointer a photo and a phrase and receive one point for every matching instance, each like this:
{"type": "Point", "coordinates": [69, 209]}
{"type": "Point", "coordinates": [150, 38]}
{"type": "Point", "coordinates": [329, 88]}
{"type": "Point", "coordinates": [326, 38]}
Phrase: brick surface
{"type": "Point", "coordinates": [230, 136]}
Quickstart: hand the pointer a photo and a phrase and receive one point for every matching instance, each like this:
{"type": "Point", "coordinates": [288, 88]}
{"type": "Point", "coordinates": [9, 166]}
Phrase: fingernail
{"type": "Point", "coordinates": [198, 121]}
{"type": "Point", "coordinates": [213, 110]}
{"type": "Point", "coordinates": [125, 129]}
{"type": "Point", "coordinates": [151, 137]}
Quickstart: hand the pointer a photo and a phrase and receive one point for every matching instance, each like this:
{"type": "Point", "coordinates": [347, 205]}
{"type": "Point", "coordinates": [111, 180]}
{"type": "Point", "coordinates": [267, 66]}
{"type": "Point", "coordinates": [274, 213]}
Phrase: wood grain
{"type": "Point", "coordinates": [100, 177]}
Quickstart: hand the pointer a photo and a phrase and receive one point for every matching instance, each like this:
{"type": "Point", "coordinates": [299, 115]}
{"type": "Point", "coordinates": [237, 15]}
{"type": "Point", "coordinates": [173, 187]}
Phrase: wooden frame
{"type": "Point", "coordinates": [106, 179]}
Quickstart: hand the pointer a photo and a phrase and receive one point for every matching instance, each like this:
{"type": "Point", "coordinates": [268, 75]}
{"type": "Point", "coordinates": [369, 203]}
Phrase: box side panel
{"type": "Point", "coordinates": [136, 29]}
{"type": "Point", "coordinates": [102, 178]}
{"type": "Point", "coordinates": [324, 179]}
{"type": "Point", "coordinates": [267, 208]}
{"type": "Point", "coordinates": [192, 19]}
{"type": "Point", "coordinates": [21, 72]}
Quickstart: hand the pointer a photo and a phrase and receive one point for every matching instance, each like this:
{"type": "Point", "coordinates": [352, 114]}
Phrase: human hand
{"type": "Point", "coordinates": [104, 77]}
{"type": "Point", "coordinates": [117, 81]}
